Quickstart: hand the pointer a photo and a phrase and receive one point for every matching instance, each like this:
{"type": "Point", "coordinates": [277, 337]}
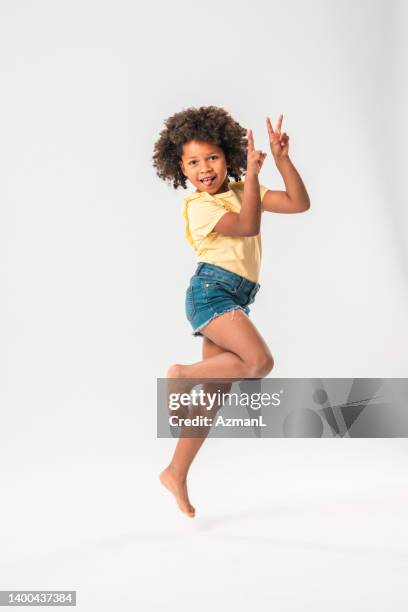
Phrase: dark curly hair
{"type": "Point", "coordinates": [207, 123]}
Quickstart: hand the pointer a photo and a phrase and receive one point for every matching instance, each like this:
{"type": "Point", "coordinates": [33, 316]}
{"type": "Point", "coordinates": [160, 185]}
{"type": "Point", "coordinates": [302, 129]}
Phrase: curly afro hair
{"type": "Point", "coordinates": [207, 123]}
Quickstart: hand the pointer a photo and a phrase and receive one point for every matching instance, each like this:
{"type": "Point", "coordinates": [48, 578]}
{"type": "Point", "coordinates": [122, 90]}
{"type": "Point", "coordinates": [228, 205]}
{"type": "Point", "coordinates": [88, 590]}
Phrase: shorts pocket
{"type": "Point", "coordinates": [220, 284]}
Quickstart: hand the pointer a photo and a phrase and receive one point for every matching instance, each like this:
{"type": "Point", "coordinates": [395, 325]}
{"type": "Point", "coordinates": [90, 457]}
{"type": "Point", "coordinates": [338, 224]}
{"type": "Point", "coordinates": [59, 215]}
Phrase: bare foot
{"type": "Point", "coordinates": [178, 486]}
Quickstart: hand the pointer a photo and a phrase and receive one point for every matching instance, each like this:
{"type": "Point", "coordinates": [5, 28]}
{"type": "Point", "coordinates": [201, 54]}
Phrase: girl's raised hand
{"type": "Point", "coordinates": [279, 142]}
{"type": "Point", "coordinates": [255, 159]}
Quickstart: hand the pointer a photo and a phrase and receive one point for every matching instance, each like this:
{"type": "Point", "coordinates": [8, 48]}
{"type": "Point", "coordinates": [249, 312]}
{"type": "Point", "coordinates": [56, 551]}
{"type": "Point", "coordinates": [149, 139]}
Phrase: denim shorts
{"type": "Point", "coordinates": [213, 291]}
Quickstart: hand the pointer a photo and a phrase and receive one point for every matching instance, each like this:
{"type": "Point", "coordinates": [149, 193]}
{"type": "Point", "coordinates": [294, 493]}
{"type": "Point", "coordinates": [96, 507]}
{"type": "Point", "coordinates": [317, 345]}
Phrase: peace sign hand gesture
{"type": "Point", "coordinates": [255, 159]}
{"type": "Point", "coordinates": [279, 142]}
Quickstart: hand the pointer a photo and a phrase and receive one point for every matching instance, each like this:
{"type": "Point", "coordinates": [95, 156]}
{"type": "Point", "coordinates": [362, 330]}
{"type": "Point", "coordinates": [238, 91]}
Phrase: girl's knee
{"type": "Point", "coordinates": [261, 365]}
{"type": "Point", "coordinates": [174, 371]}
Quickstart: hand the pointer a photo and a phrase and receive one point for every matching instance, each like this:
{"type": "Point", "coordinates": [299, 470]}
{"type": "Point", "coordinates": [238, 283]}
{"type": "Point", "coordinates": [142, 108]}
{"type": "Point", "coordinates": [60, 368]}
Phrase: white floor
{"type": "Point", "coordinates": [282, 523]}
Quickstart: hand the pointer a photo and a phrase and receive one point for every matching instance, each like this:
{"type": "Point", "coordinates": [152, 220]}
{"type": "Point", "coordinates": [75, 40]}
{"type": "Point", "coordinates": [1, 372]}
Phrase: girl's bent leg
{"type": "Point", "coordinates": [243, 352]}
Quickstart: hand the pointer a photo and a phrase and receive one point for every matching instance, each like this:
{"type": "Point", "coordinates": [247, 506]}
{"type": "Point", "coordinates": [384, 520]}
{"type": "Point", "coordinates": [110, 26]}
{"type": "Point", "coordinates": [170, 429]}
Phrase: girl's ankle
{"type": "Point", "coordinates": [179, 472]}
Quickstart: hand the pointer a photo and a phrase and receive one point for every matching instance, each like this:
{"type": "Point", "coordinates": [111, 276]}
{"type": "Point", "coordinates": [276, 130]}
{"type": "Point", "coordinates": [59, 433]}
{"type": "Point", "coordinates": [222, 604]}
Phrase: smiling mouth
{"type": "Point", "coordinates": [208, 181]}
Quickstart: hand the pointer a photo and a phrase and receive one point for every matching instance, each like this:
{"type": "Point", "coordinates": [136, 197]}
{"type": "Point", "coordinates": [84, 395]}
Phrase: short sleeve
{"type": "Point", "coordinates": [263, 190]}
{"type": "Point", "coordinates": [203, 215]}
{"type": "Point", "coordinates": [239, 185]}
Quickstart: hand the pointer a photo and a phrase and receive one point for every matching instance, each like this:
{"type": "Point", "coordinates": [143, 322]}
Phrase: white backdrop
{"type": "Point", "coordinates": [95, 263]}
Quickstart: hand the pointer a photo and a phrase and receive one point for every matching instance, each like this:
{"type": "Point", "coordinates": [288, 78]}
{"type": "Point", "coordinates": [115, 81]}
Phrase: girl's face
{"type": "Point", "coordinates": [205, 166]}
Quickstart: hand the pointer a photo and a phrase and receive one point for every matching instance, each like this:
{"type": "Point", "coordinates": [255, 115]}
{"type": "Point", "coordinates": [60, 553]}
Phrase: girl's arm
{"type": "Point", "coordinates": [248, 221]}
{"type": "Point", "coordinates": [295, 199]}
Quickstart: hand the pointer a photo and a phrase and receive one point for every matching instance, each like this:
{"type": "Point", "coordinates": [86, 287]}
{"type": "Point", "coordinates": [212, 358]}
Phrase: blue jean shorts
{"type": "Point", "coordinates": [213, 291]}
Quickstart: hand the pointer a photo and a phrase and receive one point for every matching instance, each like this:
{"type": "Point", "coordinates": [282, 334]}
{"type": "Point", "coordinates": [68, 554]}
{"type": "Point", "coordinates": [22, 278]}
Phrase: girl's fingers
{"type": "Point", "coordinates": [278, 125]}
{"type": "Point", "coordinates": [251, 144]}
{"type": "Point", "coordinates": [269, 126]}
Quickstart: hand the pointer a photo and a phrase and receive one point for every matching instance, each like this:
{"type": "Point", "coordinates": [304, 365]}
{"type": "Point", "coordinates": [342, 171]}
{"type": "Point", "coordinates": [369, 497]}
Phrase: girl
{"type": "Point", "coordinates": [222, 221]}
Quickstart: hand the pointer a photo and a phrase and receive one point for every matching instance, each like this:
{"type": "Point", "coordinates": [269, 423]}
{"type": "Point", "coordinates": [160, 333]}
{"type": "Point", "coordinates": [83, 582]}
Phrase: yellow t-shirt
{"type": "Point", "coordinates": [202, 211]}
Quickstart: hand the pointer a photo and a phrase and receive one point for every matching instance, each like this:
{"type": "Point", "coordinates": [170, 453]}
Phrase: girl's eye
{"type": "Point", "coordinates": [211, 157]}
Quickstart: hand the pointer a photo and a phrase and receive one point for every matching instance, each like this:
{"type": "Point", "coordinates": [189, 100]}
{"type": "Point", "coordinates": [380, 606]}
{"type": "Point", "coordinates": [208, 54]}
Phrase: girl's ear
{"type": "Point", "coordinates": [182, 167]}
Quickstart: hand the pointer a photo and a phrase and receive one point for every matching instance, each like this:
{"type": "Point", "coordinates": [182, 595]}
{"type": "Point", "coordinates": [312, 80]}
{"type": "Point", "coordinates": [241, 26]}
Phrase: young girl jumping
{"type": "Point", "coordinates": [222, 220]}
